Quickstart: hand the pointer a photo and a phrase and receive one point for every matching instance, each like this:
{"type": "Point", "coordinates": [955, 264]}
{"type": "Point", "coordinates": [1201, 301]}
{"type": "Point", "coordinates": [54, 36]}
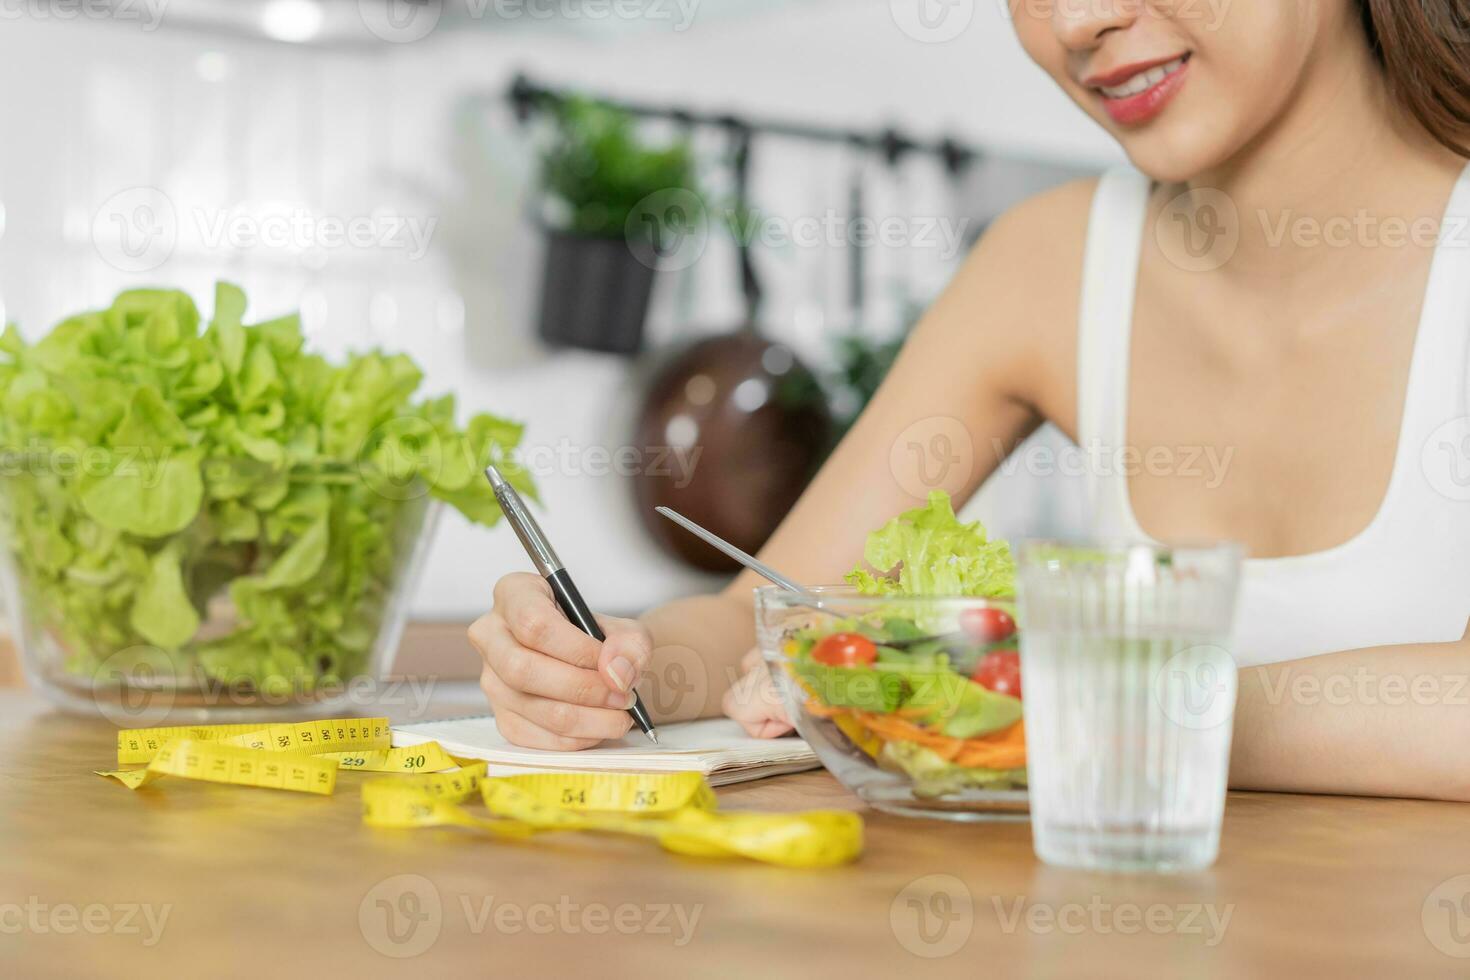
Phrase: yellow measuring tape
{"type": "Point", "coordinates": [303, 757]}
{"type": "Point", "coordinates": [332, 735]}
{"type": "Point", "coordinates": [677, 809]}
{"type": "Point", "coordinates": [218, 763]}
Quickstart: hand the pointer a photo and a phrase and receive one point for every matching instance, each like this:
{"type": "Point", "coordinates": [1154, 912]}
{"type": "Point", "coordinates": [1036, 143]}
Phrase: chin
{"type": "Point", "coordinates": [1177, 151]}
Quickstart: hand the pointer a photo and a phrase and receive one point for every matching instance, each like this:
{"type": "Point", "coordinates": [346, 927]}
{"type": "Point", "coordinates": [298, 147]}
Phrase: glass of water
{"type": "Point", "coordinates": [1130, 694]}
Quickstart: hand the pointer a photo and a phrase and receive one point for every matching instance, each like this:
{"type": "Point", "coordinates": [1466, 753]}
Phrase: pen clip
{"type": "Point", "coordinates": [525, 526]}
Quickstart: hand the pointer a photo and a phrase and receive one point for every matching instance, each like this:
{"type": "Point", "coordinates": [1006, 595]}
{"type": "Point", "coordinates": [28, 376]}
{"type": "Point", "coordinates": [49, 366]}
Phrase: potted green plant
{"type": "Point", "coordinates": [613, 206]}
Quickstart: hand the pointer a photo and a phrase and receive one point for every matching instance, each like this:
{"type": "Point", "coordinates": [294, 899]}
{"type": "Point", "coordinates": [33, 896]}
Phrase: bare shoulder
{"type": "Point", "coordinates": [1018, 294]}
{"type": "Point", "coordinates": [1033, 252]}
{"type": "Point", "coordinates": [1042, 221]}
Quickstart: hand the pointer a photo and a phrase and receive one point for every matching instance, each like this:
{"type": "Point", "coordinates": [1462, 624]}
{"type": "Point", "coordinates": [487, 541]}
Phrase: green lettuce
{"type": "Point", "coordinates": [155, 464]}
{"type": "Point", "coordinates": [934, 554]}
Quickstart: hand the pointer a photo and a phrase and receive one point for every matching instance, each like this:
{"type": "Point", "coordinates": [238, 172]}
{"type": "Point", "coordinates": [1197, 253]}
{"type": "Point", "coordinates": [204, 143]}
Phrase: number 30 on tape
{"type": "Point", "coordinates": [301, 757]}
{"type": "Point", "coordinates": [679, 810]}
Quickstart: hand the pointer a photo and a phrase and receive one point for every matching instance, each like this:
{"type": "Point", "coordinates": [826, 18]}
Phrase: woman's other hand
{"type": "Point", "coordinates": [754, 701]}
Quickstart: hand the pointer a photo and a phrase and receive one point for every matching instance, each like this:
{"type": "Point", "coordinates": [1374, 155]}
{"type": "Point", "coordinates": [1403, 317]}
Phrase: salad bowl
{"type": "Point", "coordinates": [208, 522]}
{"type": "Point", "coordinates": [912, 702]}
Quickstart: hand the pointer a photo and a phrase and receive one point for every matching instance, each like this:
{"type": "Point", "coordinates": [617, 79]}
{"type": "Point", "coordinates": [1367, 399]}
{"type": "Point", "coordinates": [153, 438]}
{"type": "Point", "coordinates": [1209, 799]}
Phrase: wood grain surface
{"type": "Point", "coordinates": [254, 883]}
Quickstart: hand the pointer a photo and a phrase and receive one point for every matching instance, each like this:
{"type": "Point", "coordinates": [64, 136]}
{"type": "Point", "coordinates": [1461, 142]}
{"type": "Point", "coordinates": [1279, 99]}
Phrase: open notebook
{"type": "Point", "coordinates": [716, 747]}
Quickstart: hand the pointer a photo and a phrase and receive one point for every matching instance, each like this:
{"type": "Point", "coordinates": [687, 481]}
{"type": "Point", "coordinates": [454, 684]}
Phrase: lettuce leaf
{"type": "Point", "coordinates": [934, 554]}
{"type": "Point", "coordinates": [162, 613]}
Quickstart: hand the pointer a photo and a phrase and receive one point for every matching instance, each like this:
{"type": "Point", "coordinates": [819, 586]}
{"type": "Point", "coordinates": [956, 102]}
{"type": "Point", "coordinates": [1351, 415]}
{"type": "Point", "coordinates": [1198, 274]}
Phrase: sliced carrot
{"type": "Point", "coordinates": [1005, 749]}
{"type": "Point", "coordinates": [1002, 750]}
{"type": "Point", "coordinates": [815, 707]}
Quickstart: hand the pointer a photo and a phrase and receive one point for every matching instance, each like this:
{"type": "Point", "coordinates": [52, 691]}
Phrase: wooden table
{"type": "Point", "coordinates": [263, 883]}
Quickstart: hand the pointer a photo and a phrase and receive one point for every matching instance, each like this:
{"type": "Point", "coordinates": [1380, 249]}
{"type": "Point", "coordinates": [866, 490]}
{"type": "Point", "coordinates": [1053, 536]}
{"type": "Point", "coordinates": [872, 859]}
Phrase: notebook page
{"type": "Point", "coordinates": [715, 745]}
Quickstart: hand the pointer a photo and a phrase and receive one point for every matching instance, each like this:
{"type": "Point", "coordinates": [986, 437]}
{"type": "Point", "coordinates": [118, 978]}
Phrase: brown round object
{"type": "Point", "coordinates": [741, 430]}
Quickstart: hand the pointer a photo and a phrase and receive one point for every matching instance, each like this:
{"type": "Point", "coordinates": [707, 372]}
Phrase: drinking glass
{"type": "Point", "coordinates": [1130, 693]}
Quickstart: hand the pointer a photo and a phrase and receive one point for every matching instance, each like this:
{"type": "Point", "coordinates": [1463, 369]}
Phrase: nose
{"type": "Point", "coordinates": [1081, 24]}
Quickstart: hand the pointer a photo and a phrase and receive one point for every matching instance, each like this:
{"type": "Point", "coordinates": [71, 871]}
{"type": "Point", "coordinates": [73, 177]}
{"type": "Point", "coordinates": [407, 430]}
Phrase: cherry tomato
{"type": "Point", "coordinates": [845, 650]}
{"type": "Point", "coordinates": [999, 671]}
{"type": "Point", "coordinates": [988, 625]}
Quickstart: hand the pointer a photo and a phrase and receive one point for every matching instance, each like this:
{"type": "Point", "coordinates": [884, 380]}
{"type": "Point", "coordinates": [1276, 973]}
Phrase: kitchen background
{"type": "Point", "coordinates": [138, 137]}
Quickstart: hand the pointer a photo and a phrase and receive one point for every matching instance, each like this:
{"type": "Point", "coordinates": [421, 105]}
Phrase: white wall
{"type": "Point", "coordinates": [222, 125]}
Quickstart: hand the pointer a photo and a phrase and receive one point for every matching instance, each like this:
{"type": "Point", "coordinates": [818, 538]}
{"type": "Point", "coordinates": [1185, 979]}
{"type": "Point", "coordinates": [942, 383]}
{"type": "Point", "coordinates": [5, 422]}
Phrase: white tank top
{"type": "Point", "coordinates": [1406, 577]}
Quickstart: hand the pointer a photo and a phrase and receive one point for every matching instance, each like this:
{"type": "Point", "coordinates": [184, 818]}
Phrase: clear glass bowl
{"type": "Point", "coordinates": [305, 645]}
{"type": "Point", "coordinates": [911, 733]}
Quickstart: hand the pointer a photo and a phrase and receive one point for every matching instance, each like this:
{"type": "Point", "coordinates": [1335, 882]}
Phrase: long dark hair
{"type": "Point", "coordinates": [1424, 48]}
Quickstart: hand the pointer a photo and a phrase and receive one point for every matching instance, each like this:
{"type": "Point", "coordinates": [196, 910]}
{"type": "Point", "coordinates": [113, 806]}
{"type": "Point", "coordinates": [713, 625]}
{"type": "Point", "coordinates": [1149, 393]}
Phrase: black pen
{"type": "Point", "coordinates": [556, 576]}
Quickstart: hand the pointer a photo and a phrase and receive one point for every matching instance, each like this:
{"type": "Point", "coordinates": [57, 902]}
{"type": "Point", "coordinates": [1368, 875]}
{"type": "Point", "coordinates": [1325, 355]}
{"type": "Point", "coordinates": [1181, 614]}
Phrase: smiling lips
{"type": "Point", "coordinates": [1137, 93]}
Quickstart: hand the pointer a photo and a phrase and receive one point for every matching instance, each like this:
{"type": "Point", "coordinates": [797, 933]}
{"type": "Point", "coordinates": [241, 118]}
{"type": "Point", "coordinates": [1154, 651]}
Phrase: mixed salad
{"type": "Point", "coordinates": [932, 690]}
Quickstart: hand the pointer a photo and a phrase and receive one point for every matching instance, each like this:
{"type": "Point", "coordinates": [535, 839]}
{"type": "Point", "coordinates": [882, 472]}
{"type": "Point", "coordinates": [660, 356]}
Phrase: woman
{"type": "Point", "coordinates": [1286, 292]}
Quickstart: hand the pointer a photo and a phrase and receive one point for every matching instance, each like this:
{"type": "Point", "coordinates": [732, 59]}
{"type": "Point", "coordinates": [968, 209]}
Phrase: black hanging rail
{"type": "Point", "coordinates": [529, 97]}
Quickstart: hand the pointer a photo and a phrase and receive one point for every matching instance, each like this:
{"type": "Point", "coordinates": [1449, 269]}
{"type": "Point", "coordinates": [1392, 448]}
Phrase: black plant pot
{"type": "Point", "coordinates": [594, 294]}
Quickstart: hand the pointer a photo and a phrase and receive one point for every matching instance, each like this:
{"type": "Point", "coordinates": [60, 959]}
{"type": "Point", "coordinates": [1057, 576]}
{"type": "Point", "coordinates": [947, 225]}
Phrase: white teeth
{"type": "Point", "coordinates": [1143, 81]}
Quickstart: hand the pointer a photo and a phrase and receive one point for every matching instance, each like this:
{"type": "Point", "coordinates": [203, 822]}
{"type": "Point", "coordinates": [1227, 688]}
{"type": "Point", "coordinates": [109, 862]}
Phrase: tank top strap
{"type": "Point", "coordinates": [1105, 322]}
{"type": "Point", "coordinates": [1442, 351]}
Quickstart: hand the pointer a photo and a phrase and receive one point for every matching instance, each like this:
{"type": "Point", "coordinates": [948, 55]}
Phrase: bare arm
{"type": "Point", "coordinates": [973, 380]}
{"type": "Point", "coordinates": [1385, 721]}
{"type": "Point", "coordinates": [996, 354]}
{"type": "Point", "coordinates": [992, 358]}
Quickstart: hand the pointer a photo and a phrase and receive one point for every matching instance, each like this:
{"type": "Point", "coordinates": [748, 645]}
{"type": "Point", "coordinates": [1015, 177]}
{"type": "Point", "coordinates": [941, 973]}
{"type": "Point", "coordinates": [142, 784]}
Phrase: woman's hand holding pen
{"type": "Point", "coordinates": [551, 685]}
